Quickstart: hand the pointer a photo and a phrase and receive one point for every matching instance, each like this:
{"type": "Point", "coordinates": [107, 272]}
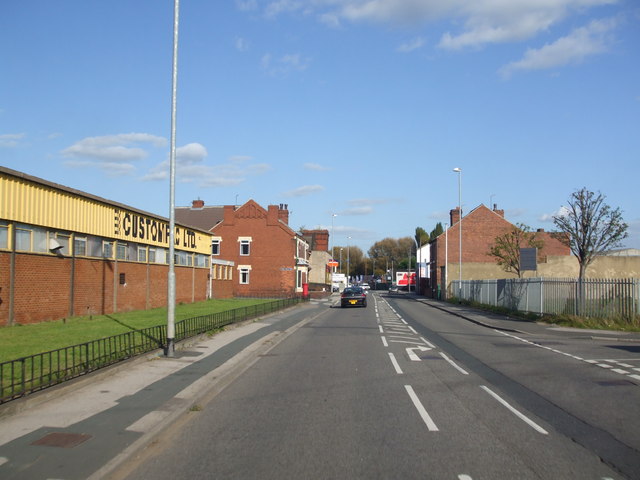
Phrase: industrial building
{"type": "Point", "coordinates": [67, 253]}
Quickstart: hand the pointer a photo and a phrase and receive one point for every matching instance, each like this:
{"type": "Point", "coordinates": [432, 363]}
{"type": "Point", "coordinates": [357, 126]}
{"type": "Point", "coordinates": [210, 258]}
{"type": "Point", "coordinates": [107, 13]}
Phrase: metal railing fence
{"type": "Point", "coordinates": [604, 298]}
{"type": "Point", "coordinates": [36, 372]}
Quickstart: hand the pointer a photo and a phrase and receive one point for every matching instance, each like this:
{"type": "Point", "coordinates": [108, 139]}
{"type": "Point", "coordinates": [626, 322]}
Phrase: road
{"type": "Point", "coordinates": [404, 390]}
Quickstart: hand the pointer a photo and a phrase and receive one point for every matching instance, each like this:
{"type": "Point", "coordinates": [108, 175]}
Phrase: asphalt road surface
{"type": "Point", "coordinates": [402, 390]}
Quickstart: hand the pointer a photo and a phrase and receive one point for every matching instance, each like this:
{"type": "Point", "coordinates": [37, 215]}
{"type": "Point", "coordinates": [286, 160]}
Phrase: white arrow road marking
{"type": "Point", "coordinates": [413, 356]}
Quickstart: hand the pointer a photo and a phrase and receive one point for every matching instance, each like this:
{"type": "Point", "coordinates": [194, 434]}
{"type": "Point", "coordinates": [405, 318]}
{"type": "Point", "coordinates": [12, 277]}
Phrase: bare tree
{"type": "Point", "coordinates": [591, 226]}
{"type": "Point", "coordinates": [506, 249]}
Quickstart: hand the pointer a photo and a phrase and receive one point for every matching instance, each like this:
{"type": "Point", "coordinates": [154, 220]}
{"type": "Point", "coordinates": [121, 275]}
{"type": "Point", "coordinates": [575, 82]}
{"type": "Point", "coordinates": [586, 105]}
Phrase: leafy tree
{"type": "Point", "coordinates": [354, 255]}
{"type": "Point", "coordinates": [506, 249]}
{"type": "Point", "coordinates": [392, 250]}
{"type": "Point", "coordinates": [422, 237]}
{"type": "Point", "coordinates": [436, 232]}
{"type": "Point", "coordinates": [590, 226]}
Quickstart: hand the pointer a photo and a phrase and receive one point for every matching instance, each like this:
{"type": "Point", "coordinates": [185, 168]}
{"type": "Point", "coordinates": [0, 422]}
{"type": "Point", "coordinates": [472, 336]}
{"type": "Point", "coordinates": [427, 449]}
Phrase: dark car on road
{"type": "Point", "coordinates": [353, 296]}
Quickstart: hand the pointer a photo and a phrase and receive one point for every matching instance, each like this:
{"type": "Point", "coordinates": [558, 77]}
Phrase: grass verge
{"type": "Point", "coordinates": [573, 321]}
{"type": "Point", "coordinates": [24, 340]}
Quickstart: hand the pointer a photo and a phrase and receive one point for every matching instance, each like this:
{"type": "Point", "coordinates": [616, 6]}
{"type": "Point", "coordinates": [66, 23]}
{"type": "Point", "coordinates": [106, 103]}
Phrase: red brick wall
{"type": "Point", "coordinates": [479, 230]}
{"type": "Point", "coordinates": [4, 287]}
{"type": "Point", "coordinates": [272, 250]}
{"type": "Point", "coordinates": [42, 287]}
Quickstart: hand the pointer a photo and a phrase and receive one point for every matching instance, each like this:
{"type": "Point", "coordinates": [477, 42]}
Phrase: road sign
{"type": "Point", "coordinates": [333, 263]}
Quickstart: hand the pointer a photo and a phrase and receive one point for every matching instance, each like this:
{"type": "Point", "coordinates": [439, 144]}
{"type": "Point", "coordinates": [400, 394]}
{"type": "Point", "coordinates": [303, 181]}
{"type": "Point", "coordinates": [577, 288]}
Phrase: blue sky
{"type": "Point", "coordinates": [360, 108]}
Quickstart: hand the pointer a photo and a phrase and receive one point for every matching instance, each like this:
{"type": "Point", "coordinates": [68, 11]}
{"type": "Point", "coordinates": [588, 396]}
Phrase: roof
{"type": "Point", "coordinates": [80, 193]}
{"type": "Point", "coordinates": [204, 218]}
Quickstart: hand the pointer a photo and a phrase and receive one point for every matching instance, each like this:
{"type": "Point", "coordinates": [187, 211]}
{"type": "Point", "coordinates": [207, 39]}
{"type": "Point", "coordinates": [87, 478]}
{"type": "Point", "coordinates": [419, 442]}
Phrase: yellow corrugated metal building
{"type": "Point", "coordinates": [64, 252]}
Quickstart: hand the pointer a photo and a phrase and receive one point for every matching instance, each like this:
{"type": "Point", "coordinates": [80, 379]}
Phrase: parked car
{"type": "Point", "coordinates": [353, 296]}
{"type": "Point", "coordinates": [393, 288]}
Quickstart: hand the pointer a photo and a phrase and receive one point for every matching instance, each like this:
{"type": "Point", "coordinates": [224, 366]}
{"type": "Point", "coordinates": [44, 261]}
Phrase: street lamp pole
{"type": "Point", "coordinates": [459, 172]}
{"type": "Point", "coordinates": [348, 259]}
{"type": "Point", "coordinates": [446, 259]}
{"type": "Point", "coordinates": [171, 277]}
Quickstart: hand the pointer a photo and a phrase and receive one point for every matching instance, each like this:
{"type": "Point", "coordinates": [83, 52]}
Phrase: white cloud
{"type": "Point", "coordinates": [477, 22]}
{"type": "Point", "coordinates": [10, 140]}
{"type": "Point", "coordinates": [315, 167]}
{"type": "Point", "coordinates": [114, 148]}
{"type": "Point", "coordinates": [114, 154]}
{"type": "Point", "coordinates": [548, 217]}
{"type": "Point", "coordinates": [247, 5]}
{"type": "Point", "coordinates": [574, 48]}
{"type": "Point", "coordinates": [356, 211]}
{"type": "Point", "coordinates": [291, 62]}
{"type": "Point", "coordinates": [242, 44]}
{"type": "Point", "coordinates": [303, 191]}
{"type": "Point", "coordinates": [191, 153]}
{"type": "Point", "coordinates": [279, 6]}
{"type": "Point", "coordinates": [414, 44]}
{"type": "Point", "coordinates": [191, 169]}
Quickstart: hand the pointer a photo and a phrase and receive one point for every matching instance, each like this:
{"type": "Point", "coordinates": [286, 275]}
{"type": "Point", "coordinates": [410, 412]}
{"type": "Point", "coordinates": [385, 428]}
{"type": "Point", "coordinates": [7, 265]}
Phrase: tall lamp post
{"type": "Point", "coordinates": [333, 269]}
{"type": "Point", "coordinates": [459, 172]}
{"type": "Point", "coordinates": [171, 277]}
{"type": "Point", "coordinates": [348, 259]}
{"type": "Point", "coordinates": [446, 259]}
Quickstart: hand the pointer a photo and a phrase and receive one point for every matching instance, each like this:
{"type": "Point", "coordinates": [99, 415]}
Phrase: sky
{"type": "Point", "coordinates": [354, 113]}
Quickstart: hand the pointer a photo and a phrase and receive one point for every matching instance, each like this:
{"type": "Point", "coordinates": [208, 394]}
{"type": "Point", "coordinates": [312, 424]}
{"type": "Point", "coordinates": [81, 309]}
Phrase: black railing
{"type": "Point", "coordinates": [36, 372]}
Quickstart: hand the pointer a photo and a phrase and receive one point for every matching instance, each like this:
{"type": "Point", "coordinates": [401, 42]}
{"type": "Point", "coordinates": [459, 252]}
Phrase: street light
{"type": "Point", "coordinates": [333, 215]}
{"type": "Point", "coordinates": [171, 276]}
{"type": "Point", "coordinates": [446, 259]}
{"type": "Point", "coordinates": [459, 172]}
{"type": "Point", "coordinates": [348, 259]}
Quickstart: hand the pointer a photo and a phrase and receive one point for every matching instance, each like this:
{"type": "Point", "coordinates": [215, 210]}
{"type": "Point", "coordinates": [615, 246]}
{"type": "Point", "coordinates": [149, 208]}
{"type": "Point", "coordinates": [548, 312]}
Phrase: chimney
{"type": "Point", "coordinates": [283, 213]}
{"type": "Point", "coordinates": [454, 216]}
{"type": "Point", "coordinates": [197, 204]}
{"type": "Point", "coordinates": [498, 212]}
{"type": "Point", "coordinates": [229, 215]}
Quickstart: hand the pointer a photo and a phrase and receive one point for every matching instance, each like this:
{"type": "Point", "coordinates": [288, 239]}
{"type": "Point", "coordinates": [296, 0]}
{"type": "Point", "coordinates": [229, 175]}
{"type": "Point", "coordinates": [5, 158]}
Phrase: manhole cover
{"type": "Point", "coordinates": [62, 440]}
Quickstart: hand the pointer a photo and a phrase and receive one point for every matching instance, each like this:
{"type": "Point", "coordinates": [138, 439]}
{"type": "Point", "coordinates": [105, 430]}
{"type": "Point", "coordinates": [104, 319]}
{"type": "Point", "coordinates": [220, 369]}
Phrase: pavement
{"type": "Point", "coordinates": [89, 427]}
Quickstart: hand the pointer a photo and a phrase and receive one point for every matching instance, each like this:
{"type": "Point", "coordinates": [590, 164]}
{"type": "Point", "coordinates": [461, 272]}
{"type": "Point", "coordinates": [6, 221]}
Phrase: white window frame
{"type": "Point", "coordinates": [245, 242]}
{"type": "Point", "coordinates": [216, 242]}
{"type": "Point", "coordinates": [244, 274]}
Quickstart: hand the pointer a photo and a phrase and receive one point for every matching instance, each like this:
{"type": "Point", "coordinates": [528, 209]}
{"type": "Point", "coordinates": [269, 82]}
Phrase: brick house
{"type": "Point", "coordinates": [480, 227]}
{"type": "Point", "coordinates": [270, 258]}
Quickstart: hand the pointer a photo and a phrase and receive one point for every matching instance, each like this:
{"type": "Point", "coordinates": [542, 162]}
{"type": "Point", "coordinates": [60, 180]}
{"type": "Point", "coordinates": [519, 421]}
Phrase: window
{"type": "Point", "coordinates": [202, 260]}
{"type": "Point", "coordinates": [95, 247]}
{"type": "Point", "coordinates": [142, 254]}
{"type": "Point", "coordinates": [245, 245]}
{"type": "Point", "coordinates": [244, 274]}
{"type": "Point", "coordinates": [23, 239]}
{"type": "Point", "coordinates": [63, 239]}
{"type": "Point", "coordinates": [4, 235]}
{"type": "Point", "coordinates": [122, 251]}
{"type": "Point", "coordinates": [107, 249]}
{"type": "Point", "coordinates": [80, 246]}
{"type": "Point", "coordinates": [152, 255]}
{"type": "Point", "coordinates": [40, 243]}
{"type": "Point", "coordinates": [215, 245]}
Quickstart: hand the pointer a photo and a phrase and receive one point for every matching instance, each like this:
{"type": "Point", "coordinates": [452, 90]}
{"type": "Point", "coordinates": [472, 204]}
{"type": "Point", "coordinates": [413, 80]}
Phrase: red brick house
{"type": "Point", "coordinates": [480, 227]}
{"type": "Point", "coordinates": [270, 258]}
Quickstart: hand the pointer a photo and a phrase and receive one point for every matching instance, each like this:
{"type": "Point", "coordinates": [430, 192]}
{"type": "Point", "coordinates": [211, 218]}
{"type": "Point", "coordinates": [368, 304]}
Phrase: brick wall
{"type": "Point", "coordinates": [43, 288]}
{"type": "Point", "coordinates": [272, 250]}
{"type": "Point", "coordinates": [479, 230]}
